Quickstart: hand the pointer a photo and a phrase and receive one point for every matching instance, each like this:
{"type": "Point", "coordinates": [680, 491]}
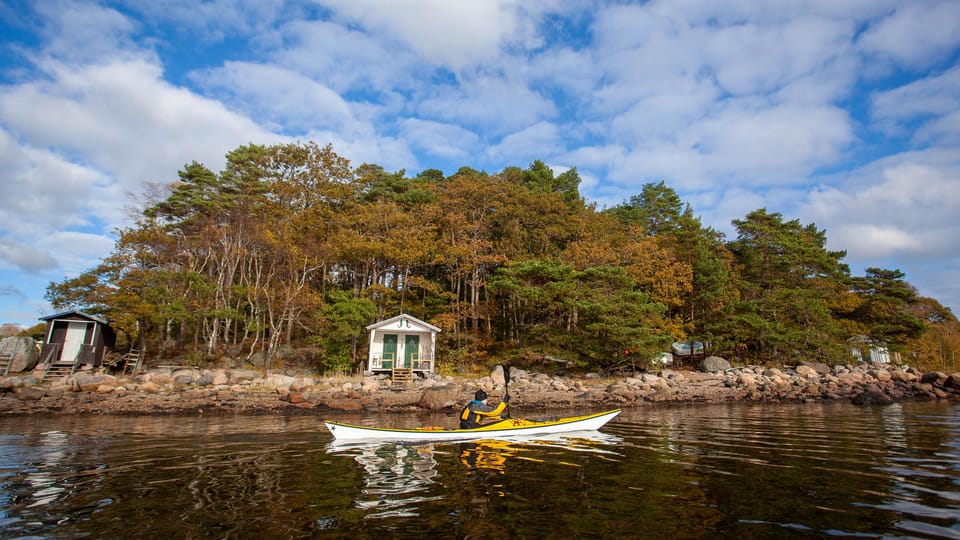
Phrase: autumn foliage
{"type": "Point", "coordinates": [289, 246]}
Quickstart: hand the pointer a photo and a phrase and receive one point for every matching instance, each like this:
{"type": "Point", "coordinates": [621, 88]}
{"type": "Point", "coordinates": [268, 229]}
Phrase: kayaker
{"type": "Point", "coordinates": [472, 415]}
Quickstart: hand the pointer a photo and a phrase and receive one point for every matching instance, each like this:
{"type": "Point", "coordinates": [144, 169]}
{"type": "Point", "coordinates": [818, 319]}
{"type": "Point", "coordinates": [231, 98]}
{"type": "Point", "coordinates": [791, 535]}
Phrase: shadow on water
{"type": "Point", "coordinates": [734, 471]}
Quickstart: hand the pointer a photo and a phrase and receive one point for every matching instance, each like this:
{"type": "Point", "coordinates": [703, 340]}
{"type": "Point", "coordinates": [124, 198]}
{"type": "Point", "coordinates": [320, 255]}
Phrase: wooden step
{"type": "Point", "coordinates": [57, 371]}
{"type": "Point", "coordinates": [402, 376]}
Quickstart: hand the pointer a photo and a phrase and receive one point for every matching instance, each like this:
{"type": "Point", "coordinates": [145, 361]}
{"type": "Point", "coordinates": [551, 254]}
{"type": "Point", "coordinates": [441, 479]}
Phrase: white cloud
{"type": "Point", "coordinates": [535, 142]}
{"type": "Point", "coordinates": [438, 139]}
{"type": "Point", "coordinates": [444, 32]}
{"type": "Point", "coordinates": [51, 192]}
{"type": "Point", "coordinates": [346, 60]}
{"type": "Point", "coordinates": [917, 34]}
{"type": "Point", "coordinates": [125, 121]}
{"type": "Point", "coordinates": [77, 252]}
{"type": "Point", "coordinates": [281, 97]}
{"type": "Point", "coordinates": [82, 32]}
{"type": "Point", "coordinates": [14, 254]}
{"type": "Point", "coordinates": [909, 212]}
{"type": "Point", "coordinates": [771, 145]}
{"type": "Point", "coordinates": [211, 21]}
{"type": "Point", "coordinates": [750, 59]}
{"type": "Point", "coordinates": [931, 101]}
{"type": "Point", "coordinates": [494, 104]}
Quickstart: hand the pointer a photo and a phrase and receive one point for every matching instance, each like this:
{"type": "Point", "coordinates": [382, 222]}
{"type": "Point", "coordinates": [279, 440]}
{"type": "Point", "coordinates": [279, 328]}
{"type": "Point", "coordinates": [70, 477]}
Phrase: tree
{"type": "Point", "coordinates": [596, 313]}
{"type": "Point", "coordinates": [885, 307]}
{"type": "Point", "coordinates": [787, 279]}
{"type": "Point", "coordinates": [344, 320]}
{"type": "Point", "coordinates": [938, 347]}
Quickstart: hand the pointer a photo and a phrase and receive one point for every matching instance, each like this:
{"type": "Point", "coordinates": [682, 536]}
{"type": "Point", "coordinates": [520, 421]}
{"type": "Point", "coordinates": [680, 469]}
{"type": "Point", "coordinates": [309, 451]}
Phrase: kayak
{"type": "Point", "coordinates": [503, 428]}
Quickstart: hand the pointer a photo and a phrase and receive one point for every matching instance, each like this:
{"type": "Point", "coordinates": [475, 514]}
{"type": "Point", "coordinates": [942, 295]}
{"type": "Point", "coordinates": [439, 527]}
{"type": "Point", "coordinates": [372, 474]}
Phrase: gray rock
{"type": "Point", "coordinates": [25, 353]}
{"type": "Point", "coordinates": [713, 364]}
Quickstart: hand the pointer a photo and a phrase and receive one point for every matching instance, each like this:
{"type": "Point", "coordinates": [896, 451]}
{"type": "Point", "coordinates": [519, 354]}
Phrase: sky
{"type": "Point", "coordinates": [841, 114]}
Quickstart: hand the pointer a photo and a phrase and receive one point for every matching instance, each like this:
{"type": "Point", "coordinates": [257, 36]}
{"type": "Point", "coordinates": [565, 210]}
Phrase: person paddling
{"type": "Point", "coordinates": [473, 414]}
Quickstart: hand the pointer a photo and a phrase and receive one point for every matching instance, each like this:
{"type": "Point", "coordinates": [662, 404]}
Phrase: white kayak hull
{"type": "Point", "coordinates": [501, 429]}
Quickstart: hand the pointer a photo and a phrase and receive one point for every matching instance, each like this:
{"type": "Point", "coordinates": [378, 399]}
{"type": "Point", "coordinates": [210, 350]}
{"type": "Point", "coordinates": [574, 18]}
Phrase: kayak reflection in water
{"type": "Point", "coordinates": [489, 454]}
{"type": "Point", "coordinates": [473, 414]}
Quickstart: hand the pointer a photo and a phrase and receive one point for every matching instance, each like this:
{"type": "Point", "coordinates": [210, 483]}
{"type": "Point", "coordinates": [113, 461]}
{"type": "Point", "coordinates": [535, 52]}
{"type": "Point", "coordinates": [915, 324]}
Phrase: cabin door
{"type": "Point", "coordinates": [411, 350]}
{"type": "Point", "coordinates": [389, 351]}
{"type": "Point", "coordinates": [72, 343]}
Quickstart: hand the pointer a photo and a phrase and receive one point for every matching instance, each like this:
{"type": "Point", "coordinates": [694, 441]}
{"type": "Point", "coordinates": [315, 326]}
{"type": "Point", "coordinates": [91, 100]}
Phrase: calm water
{"type": "Point", "coordinates": [741, 471]}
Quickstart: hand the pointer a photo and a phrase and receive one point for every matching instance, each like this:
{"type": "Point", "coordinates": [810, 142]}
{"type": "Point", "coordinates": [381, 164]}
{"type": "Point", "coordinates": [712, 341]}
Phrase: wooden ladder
{"type": "Point", "coordinates": [402, 376]}
{"type": "Point", "coordinates": [132, 362]}
{"type": "Point", "coordinates": [6, 360]}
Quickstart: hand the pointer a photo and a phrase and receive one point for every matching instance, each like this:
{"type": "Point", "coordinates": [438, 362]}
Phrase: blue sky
{"type": "Point", "coordinates": [843, 114]}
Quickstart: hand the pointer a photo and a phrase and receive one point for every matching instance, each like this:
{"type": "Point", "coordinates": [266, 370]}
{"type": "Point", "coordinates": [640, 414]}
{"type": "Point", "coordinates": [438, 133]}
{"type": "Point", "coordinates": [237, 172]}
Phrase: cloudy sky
{"type": "Point", "coordinates": [843, 114]}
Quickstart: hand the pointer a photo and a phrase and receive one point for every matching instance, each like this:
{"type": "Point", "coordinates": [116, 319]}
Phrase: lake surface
{"type": "Point", "coordinates": [734, 471]}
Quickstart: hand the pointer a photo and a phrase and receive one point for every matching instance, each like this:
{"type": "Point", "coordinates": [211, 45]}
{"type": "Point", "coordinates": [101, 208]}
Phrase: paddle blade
{"type": "Point", "coordinates": [506, 374]}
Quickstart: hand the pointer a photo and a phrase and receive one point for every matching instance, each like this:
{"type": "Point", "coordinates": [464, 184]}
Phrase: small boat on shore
{"type": "Point", "coordinates": [505, 428]}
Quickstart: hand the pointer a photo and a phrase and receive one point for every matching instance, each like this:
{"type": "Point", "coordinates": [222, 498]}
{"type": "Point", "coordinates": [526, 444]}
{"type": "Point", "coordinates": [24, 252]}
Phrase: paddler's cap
{"type": "Point", "coordinates": [480, 396]}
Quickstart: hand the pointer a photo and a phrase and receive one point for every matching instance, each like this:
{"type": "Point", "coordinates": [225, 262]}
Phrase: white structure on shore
{"type": "Point", "coordinates": [402, 342]}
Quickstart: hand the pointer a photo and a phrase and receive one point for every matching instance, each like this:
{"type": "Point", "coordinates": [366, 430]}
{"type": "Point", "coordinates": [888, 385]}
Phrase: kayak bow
{"type": "Point", "coordinates": [503, 428]}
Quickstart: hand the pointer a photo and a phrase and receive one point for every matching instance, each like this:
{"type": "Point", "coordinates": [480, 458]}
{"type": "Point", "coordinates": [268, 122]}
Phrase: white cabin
{"type": "Point", "coordinates": [403, 341]}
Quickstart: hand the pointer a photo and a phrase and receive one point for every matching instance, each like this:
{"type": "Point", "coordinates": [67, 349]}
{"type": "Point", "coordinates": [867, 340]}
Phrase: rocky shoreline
{"type": "Point", "coordinates": [239, 391]}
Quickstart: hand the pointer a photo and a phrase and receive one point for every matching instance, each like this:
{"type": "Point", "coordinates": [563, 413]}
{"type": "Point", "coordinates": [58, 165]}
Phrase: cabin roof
{"type": "Point", "coordinates": [63, 314]}
{"type": "Point", "coordinates": [402, 316]}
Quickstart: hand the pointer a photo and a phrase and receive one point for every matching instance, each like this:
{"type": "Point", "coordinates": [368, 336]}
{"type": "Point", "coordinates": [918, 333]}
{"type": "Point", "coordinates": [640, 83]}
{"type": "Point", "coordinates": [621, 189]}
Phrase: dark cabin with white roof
{"type": "Point", "coordinates": [76, 338]}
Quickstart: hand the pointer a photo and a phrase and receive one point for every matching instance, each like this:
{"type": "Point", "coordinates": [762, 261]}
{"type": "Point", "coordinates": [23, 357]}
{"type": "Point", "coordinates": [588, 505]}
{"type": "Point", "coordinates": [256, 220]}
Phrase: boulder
{"type": "Point", "coordinates": [879, 374]}
{"type": "Point", "coordinates": [819, 367]}
{"type": "Point", "coordinates": [622, 391]}
{"type": "Point", "coordinates": [150, 387]}
{"type": "Point", "coordinates": [398, 399]}
{"type": "Point", "coordinates": [85, 382]}
{"type": "Point", "coordinates": [497, 375]}
{"type": "Point", "coordinates": [183, 378]}
{"type": "Point", "coordinates": [849, 379]}
{"type": "Point", "coordinates": [953, 381]}
{"type": "Point", "coordinates": [807, 371]}
{"type": "Point", "coordinates": [241, 375]}
{"type": "Point", "coordinates": [370, 385]}
{"type": "Point", "coordinates": [713, 364]}
{"type": "Point", "coordinates": [934, 377]}
{"type": "Point", "coordinates": [871, 396]}
{"type": "Point", "coordinates": [30, 394]}
{"type": "Point", "coordinates": [343, 404]}
{"type": "Point", "coordinates": [902, 376]}
{"type": "Point", "coordinates": [280, 381]}
{"type": "Point", "coordinates": [25, 353]}
{"type": "Point", "coordinates": [295, 397]}
{"type": "Point", "coordinates": [439, 397]}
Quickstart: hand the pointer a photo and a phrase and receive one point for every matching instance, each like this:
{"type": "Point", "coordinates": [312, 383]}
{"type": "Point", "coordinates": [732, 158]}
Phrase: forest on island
{"type": "Point", "coordinates": [290, 248]}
